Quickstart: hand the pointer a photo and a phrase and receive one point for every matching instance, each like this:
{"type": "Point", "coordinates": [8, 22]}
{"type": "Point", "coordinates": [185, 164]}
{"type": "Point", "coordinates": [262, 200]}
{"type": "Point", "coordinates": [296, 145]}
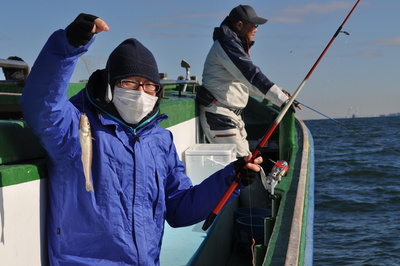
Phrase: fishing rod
{"type": "Point", "coordinates": [351, 129]}
{"type": "Point", "coordinates": [271, 129]}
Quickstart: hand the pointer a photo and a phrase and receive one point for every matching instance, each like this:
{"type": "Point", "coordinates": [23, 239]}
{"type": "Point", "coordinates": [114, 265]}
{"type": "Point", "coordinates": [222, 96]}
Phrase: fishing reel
{"type": "Point", "coordinates": [275, 176]}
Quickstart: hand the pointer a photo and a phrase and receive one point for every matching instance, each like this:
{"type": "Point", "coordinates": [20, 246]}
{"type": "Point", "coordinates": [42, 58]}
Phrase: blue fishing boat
{"type": "Point", "coordinates": [260, 227]}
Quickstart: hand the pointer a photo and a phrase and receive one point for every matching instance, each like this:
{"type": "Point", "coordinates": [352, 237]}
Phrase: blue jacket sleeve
{"type": "Point", "coordinates": [45, 103]}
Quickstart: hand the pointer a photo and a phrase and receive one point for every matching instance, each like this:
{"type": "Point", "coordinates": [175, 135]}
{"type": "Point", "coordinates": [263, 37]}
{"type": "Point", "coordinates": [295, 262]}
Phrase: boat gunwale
{"type": "Point", "coordinates": [293, 255]}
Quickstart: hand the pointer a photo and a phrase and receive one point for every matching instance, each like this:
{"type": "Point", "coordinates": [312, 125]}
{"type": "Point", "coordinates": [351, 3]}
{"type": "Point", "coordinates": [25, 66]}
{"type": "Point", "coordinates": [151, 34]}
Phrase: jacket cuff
{"type": "Point", "coordinates": [276, 95]}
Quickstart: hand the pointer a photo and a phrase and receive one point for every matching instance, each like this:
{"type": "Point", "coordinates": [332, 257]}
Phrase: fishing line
{"type": "Point", "coordinates": [253, 241]}
{"type": "Point", "coordinates": [251, 221]}
{"type": "Point", "coordinates": [351, 129]}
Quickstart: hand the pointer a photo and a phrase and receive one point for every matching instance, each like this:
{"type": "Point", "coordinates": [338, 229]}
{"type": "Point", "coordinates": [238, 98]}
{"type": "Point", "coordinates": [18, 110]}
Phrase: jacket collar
{"type": "Point", "coordinates": [224, 30]}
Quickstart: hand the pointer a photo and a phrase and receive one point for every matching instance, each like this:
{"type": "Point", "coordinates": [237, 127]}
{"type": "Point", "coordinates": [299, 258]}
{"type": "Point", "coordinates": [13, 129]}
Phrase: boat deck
{"type": "Point", "coordinates": [179, 244]}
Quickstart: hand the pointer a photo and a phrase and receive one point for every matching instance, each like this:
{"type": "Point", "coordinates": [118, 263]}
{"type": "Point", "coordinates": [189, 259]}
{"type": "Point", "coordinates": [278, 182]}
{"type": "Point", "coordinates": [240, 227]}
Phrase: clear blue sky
{"type": "Point", "coordinates": [359, 74]}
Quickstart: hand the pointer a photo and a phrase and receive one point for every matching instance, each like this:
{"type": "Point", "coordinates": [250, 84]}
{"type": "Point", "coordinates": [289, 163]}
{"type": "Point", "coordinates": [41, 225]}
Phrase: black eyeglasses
{"type": "Point", "coordinates": [134, 85]}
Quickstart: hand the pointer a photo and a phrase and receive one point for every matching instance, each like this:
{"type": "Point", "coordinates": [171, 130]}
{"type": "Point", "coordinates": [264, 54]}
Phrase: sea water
{"type": "Point", "coordinates": [357, 191]}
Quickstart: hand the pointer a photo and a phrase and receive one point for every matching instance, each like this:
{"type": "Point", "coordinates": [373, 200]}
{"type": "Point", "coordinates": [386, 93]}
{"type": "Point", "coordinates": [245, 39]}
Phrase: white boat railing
{"type": "Point", "coordinates": [13, 64]}
{"type": "Point", "coordinates": [169, 82]}
{"type": "Point", "coordinates": [181, 82]}
{"type": "Point", "coordinates": [10, 94]}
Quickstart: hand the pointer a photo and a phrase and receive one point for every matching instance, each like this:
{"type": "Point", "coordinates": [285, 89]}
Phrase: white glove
{"type": "Point", "coordinates": [276, 96]}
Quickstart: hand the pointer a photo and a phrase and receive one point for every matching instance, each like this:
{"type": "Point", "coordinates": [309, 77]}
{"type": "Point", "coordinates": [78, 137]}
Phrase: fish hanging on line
{"type": "Point", "coordinates": [85, 138]}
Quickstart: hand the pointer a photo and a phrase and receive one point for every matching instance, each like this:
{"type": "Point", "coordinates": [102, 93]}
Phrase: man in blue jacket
{"type": "Point", "coordinates": [138, 179]}
{"type": "Point", "coordinates": [229, 77]}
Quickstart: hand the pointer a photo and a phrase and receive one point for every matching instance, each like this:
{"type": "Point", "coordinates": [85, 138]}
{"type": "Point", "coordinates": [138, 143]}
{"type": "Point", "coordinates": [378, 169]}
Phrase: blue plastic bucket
{"type": "Point", "coordinates": [262, 212]}
{"type": "Point", "coordinates": [249, 227]}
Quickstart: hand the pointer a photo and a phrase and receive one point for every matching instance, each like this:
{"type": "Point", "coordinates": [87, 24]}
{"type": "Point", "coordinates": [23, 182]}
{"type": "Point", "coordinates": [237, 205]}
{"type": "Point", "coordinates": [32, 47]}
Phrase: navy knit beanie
{"type": "Point", "coordinates": [131, 58]}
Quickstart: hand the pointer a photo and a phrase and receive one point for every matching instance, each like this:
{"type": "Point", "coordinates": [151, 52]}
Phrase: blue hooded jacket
{"type": "Point", "coordinates": [137, 184]}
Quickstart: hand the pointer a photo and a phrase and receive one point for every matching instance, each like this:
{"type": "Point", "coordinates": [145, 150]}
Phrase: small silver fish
{"type": "Point", "coordinates": [85, 138]}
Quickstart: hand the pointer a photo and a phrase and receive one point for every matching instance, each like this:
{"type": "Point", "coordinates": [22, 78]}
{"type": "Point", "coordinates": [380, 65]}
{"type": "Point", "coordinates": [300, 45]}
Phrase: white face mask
{"type": "Point", "coordinates": [133, 105]}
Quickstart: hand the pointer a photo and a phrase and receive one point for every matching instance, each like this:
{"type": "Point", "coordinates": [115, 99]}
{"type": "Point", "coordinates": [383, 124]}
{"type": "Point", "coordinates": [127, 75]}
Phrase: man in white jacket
{"type": "Point", "coordinates": [229, 76]}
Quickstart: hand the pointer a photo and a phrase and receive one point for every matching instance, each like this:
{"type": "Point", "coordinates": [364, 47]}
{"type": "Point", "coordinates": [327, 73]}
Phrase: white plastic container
{"type": "Point", "coordinates": [202, 160]}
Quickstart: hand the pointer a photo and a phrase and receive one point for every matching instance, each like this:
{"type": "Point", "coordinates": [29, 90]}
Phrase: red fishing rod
{"type": "Point", "coordinates": [271, 129]}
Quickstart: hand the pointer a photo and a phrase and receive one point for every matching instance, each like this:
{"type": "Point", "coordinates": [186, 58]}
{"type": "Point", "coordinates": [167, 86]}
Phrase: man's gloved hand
{"type": "Point", "coordinates": [295, 103]}
{"type": "Point", "coordinates": [292, 107]}
{"type": "Point", "coordinates": [80, 31]}
{"type": "Point", "coordinates": [247, 175]}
